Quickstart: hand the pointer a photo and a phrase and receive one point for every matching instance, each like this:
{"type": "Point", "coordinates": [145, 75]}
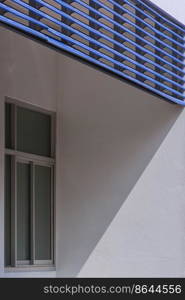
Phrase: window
{"type": "Point", "coordinates": [29, 186]}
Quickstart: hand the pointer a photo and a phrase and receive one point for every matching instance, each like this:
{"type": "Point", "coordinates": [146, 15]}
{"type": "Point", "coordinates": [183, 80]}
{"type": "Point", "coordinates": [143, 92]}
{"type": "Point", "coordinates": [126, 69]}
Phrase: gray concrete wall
{"type": "Point", "coordinates": [120, 165]}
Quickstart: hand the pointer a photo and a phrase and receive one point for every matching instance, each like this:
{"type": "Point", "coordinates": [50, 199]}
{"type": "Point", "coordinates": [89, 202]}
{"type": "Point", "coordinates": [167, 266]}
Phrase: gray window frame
{"type": "Point", "coordinates": [32, 160]}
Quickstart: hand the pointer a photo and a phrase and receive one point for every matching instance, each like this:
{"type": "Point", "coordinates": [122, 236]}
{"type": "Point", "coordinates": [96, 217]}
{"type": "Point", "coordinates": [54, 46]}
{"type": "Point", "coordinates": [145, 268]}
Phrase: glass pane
{"type": "Point", "coordinates": [23, 211]}
{"type": "Point", "coordinates": [33, 132]}
{"type": "Point", "coordinates": [7, 210]}
{"type": "Point", "coordinates": [43, 213]}
{"type": "Point", "coordinates": [8, 125]}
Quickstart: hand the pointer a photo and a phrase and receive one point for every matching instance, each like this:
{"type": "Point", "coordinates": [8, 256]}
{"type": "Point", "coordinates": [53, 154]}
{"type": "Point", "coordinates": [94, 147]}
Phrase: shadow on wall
{"type": "Point", "coordinates": [108, 134]}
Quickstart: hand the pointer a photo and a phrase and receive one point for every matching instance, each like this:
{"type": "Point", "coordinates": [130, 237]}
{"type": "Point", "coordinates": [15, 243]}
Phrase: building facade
{"type": "Point", "coordinates": [119, 164]}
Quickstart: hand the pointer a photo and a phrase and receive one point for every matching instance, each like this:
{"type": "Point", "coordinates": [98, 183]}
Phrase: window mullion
{"type": "Point", "coordinates": [13, 212]}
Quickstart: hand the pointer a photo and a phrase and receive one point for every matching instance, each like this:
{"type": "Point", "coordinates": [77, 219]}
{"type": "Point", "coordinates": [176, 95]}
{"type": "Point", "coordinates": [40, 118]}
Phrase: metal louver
{"type": "Point", "coordinates": [131, 38]}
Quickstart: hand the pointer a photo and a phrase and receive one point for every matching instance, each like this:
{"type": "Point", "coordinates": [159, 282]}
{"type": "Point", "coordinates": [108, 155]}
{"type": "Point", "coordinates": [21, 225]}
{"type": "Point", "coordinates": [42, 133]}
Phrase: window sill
{"type": "Point", "coordinates": [29, 268]}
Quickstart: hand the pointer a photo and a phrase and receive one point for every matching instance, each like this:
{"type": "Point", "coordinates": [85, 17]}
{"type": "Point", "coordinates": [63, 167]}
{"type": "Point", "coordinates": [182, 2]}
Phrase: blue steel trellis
{"type": "Point", "coordinates": [132, 38]}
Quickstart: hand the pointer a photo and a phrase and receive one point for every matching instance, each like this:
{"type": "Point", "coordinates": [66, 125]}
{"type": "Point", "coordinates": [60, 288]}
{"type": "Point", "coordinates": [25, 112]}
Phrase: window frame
{"type": "Point", "coordinates": [33, 160]}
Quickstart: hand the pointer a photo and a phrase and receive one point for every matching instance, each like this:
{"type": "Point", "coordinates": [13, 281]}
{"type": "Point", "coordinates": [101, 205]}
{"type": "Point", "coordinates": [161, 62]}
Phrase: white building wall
{"type": "Point", "coordinates": [120, 165]}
